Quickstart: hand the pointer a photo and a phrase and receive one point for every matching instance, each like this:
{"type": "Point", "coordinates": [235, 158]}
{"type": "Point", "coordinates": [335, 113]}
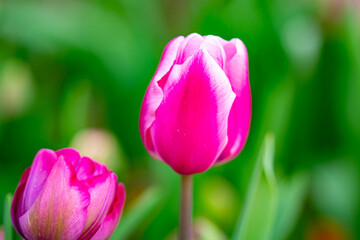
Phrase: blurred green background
{"type": "Point", "coordinates": [73, 73]}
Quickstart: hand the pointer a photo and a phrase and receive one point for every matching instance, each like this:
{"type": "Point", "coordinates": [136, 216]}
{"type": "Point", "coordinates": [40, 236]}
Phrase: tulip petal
{"type": "Point", "coordinates": [102, 191]}
{"type": "Point", "coordinates": [240, 115]}
{"type": "Point", "coordinates": [60, 210]}
{"type": "Point", "coordinates": [168, 57]}
{"type": "Point", "coordinates": [190, 128]}
{"type": "Point", "coordinates": [88, 168]}
{"type": "Point", "coordinates": [215, 49]}
{"type": "Point", "coordinates": [71, 155]}
{"type": "Point", "coordinates": [16, 205]}
{"type": "Point", "coordinates": [188, 47]}
{"type": "Point", "coordinates": [112, 219]}
{"type": "Point", "coordinates": [237, 67]}
{"type": "Point", "coordinates": [154, 94]}
{"type": "Point", "coordinates": [238, 128]}
{"type": "Point", "coordinates": [40, 170]}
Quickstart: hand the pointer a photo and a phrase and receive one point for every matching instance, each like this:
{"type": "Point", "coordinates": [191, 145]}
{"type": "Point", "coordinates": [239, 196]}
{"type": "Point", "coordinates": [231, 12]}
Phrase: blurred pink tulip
{"type": "Point", "coordinates": [65, 196]}
{"type": "Point", "coordinates": [197, 108]}
{"type": "Point", "coordinates": [2, 235]}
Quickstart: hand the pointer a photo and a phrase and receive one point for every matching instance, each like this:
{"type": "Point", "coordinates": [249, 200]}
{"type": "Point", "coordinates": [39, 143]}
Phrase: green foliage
{"type": "Point", "coordinates": [271, 207]}
{"type": "Point", "coordinates": [260, 206]}
{"type": "Point", "coordinates": [138, 213]}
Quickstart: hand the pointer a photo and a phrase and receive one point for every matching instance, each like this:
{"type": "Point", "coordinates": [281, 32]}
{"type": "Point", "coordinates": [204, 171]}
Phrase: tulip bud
{"type": "Point", "coordinates": [65, 196]}
{"type": "Point", "coordinates": [197, 108]}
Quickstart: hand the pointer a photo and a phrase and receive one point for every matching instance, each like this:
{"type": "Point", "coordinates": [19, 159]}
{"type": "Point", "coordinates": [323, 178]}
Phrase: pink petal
{"type": "Point", "coordinates": [16, 205]}
{"type": "Point", "coordinates": [188, 47]}
{"type": "Point", "coordinates": [40, 170]}
{"type": "Point", "coordinates": [229, 47]}
{"type": "Point", "coordinates": [112, 219]}
{"type": "Point", "coordinates": [102, 190]}
{"type": "Point", "coordinates": [240, 115]}
{"type": "Point", "coordinates": [190, 128]}
{"type": "Point", "coordinates": [215, 49]}
{"type": "Point", "coordinates": [238, 128]}
{"type": "Point", "coordinates": [71, 155]}
{"type": "Point", "coordinates": [88, 168]}
{"type": "Point", "coordinates": [154, 93]}
{"type": "Point", "coordinates": [60, 210]}
{"type": "Point", "coordinates": [237, 67]}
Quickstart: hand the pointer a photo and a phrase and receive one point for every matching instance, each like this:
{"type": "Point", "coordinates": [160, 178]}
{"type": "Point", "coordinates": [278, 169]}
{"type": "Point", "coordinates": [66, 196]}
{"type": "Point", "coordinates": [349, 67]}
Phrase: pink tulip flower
{"type": "Point", "coordinates": [197, 108]}
{"type": "Point", "coordinates": [65, 196]}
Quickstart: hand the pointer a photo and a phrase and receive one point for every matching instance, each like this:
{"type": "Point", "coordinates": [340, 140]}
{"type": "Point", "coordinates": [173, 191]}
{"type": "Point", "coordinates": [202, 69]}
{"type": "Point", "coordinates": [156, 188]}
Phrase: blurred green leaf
{"type": "Point", "coordinates": [7, 217]}
{"type": "Point", "coordinates": [335, 191]}
{"type": "Point", "coordinates": [271, 207]}
{"type": "Point", "coordinates": [55, 28]}
{"type": "Point", "coordinates": [302, 40]}
{"type": "Point", "coordinates": [258, 212]}
{"type": "Point", "coordinates": [352, 36]}
{"type": "Point", "coordinates": [291, 199]}
{"type": "Point", "coordinates": [146, 203]}
{"type": "Point", "coordinates": [76, 108]}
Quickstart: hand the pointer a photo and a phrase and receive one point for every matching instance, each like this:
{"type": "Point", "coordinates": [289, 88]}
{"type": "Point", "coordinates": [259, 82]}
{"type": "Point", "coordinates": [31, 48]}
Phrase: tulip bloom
{"type": "Point", "coordinates": [197, 108]}
{"type": "Point", "coordinates": [65, 196]}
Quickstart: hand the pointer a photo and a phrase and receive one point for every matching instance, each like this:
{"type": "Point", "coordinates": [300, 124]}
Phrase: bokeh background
{"type": "Point", "coordinates": [73, 73]}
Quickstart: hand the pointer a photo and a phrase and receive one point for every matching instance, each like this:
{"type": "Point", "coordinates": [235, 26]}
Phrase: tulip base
{"type": "Point", "coordinates": [185, 232]}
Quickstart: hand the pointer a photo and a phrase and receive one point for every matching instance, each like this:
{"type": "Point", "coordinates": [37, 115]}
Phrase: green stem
{"type": "Point", "coordinates": [185, 231]}
{"type": "Point", "coordinates": [7, 217]}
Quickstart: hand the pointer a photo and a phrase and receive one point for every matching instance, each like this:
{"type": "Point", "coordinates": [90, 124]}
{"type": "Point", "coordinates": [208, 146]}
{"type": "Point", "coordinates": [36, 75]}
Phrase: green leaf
{"type": "Point", "coordinates": [7, 217]}
{"type": "Point", "coordinates": [141, 209]}
{"type": "Point", "coordinates": [291, 199]}
{"type": "Point", "coordinates": [271, 207]}
{"type": "Point", "coordinates": [260, 206]}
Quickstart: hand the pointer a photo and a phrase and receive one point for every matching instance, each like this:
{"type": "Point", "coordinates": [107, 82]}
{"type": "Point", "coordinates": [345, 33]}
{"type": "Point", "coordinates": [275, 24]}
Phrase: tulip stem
{"type": "Point", "coordinates": [185, 232]}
